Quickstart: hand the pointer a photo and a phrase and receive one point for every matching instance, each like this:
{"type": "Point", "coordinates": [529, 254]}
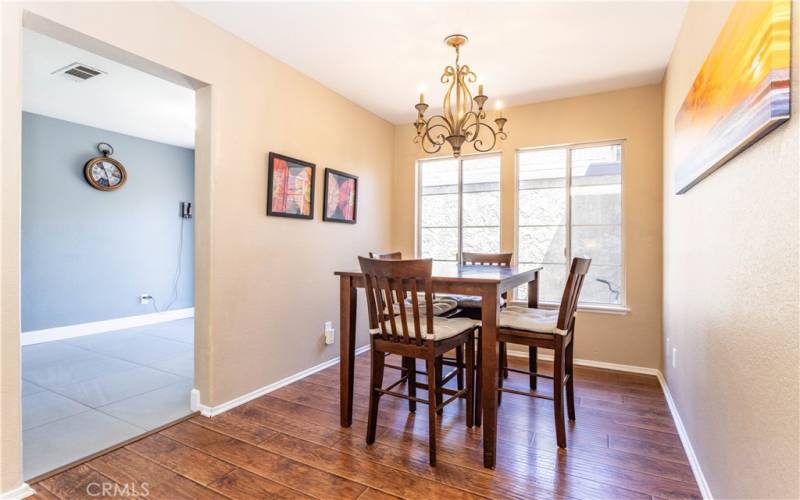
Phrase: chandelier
{"type": "Point", "coordinates": [463, 119]}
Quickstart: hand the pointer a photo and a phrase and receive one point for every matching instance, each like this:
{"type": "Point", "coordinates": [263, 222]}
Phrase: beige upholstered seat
{"type": "Point", "coordinates": [468, 301]}
{"type": "Point", "coordinates": [443, 328]}
{"type": "Point", "coordinates": [530, 320]}
{"type": "Point", "coordinates": [440, 306]}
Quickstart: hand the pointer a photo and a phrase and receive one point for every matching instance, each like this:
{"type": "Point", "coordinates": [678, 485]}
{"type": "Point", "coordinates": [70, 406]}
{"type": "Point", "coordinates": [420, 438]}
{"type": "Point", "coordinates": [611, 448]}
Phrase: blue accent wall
{"type": "Point", "coordinates": [87, 255]}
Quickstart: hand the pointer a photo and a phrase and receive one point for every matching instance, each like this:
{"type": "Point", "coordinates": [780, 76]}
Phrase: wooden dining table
{"type": "Point", "coordinates": [487, 282]}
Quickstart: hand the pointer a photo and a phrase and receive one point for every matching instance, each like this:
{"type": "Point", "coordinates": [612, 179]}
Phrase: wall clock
{"type": "Point", "coordinates": [103, 172]}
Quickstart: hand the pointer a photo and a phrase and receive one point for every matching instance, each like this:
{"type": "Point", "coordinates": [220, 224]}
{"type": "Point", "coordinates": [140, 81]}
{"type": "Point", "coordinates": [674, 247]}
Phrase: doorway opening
{"type": "Point", "coordinates": [107, 250]}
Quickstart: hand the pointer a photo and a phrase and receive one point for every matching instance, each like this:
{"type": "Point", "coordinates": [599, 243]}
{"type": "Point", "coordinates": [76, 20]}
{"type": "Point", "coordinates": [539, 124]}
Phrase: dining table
{"type": "Point", "coordinates": [486, 282]}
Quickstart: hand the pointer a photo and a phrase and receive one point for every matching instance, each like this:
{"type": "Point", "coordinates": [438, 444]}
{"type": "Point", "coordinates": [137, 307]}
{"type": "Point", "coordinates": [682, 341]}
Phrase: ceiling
{"type": "Point", "coordinates": [381, 54]}
{"type": "Point", "coordinates": [123, 100]}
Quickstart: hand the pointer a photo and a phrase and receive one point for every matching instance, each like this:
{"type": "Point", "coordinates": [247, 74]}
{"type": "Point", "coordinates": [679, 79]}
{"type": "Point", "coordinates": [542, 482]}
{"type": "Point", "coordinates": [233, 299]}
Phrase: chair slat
{"type": "Point", "coordinates": [401, 297]}
{"type": "Point", "coordinates": [415, 306]}
{"type": "Point", "coordinates": [572, 291]}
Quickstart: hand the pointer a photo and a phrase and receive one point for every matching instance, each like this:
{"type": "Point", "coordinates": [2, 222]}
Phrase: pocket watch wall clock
{"type": "Point", "coordinates": [103, 172]}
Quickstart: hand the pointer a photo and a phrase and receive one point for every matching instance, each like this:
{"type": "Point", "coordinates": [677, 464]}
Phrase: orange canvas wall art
{"type": "Point", "coordinates": [741, 92]}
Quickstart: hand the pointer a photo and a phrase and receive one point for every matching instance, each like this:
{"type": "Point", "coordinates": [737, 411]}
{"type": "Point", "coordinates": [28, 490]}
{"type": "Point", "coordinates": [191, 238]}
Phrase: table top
{"type": "Point", "coordinates": [455, 272]}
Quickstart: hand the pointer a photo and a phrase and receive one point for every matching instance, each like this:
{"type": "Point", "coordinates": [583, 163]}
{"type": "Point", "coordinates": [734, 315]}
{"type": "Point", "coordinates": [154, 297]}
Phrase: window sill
{"type": "Point", "coordinates": [588, 308]}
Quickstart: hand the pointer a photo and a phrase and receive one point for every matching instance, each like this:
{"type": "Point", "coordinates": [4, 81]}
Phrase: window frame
{"type": "Point", "coordinates": [622, 307]}
{"type": "Point", "coordinates": [418, 198]}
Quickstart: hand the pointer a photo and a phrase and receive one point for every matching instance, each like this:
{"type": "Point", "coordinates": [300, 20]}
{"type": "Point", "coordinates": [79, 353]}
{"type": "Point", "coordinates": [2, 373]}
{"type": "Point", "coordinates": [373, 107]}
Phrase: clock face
{"type": "Point", "coordinates": [105, 174]}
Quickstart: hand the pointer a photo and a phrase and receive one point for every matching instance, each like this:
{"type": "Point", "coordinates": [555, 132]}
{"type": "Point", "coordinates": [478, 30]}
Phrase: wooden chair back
{"type": "Point", "coordinates": [387, 283]}
{"type": "Point", "coordinates": [386, 256]}
{"type": "Point", "coordinates": [486, 259]}
{"type": "Point", "coordinates": [569, 301]}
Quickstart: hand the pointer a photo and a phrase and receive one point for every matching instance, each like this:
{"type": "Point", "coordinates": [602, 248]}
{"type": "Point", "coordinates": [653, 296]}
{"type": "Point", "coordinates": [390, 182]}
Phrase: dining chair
{"type": "Point", "coordinates": [550, 329]}
{"type": "Point", "coordinates": [469, 306]}
{"type": "Point", "coordinates": [412, 334]}
{"type": "Point", "coordinates": [442, 306]}
{"type": "Point", "coordinates": [386, 256]}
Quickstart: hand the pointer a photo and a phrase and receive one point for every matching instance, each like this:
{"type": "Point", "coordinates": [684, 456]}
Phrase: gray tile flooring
{"type": "Point", "coordinates": [85, 394]}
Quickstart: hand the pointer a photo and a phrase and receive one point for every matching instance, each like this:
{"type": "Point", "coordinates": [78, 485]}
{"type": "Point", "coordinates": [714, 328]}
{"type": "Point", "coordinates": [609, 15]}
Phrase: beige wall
{"type": "Point", "coordinates": [268, 284]}
{"type": "Point", "coordinates": [731, 292]}
{"type": "Point", "coordinates": [633, 115]}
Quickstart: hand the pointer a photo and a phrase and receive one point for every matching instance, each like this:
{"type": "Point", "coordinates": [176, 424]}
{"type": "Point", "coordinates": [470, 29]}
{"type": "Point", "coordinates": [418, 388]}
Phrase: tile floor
{"type": "Point", "coordinates": [85, 394]}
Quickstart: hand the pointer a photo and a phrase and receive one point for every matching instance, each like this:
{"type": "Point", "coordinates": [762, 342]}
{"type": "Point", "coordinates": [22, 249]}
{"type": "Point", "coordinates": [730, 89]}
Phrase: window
{"type": "Point", "coordinates": [570, 205]}
{"type": "Point", "coordinates": [459, 207]}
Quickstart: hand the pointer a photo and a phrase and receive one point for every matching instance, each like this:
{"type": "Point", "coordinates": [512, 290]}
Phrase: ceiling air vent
{"type": "Point", "coordinates": [78, 72]}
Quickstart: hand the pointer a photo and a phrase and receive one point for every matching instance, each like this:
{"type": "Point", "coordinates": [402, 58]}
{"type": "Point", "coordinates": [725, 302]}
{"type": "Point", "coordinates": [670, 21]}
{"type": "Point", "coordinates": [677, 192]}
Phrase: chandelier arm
{"type": "Point", "coordinates": [434, 148]}
{"type": "Point", "coordinates": [451, 77]}
{"type": "Point", "coordinates": [467, 126]}
{"type": "Point", "coordinates": [478, 143]}
{"type": "Point", "coordinates": [430, 141]}
{"type": "Point", "coordinates": [427, 141]}
{"type": "Point", "coordinates": [443, 123]}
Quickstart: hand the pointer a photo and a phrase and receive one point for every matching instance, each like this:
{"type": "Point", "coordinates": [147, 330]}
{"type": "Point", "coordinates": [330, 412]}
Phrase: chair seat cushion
{"type": "Point", "coordinates": [440, 306]}
{"type": "Point", "coordinates": [530, 320]}
{"type": "Point", "coordinates": [468, 301]}
{"type": "Point", "coordinates": [443, 328]}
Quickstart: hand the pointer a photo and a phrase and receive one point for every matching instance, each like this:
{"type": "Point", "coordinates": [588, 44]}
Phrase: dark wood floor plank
{"type": "Point", "coordinates": [241, 484]}
{"type": "Point", "coordinates": [278, 468]}
{"type": "Point", "coordinates": [418, 436]}
{"type": "Point", "coordinates": [648, 448]}
{"type": "Point", "coordinates": [181, 459]}
{"type": "Point", "coordinates": [627, 406]}
{"type": "Point", "coordinates": [288, 444]}
{"type": "Point", "coordinates": [127, 467]}
{"type": "Point", "coordinates": [413, 460]}
{"type": "Point", "coordinates": [374, 475]}
{"type": "Point", "coordinates": [229, 423]}
{"type": "Point", "coordinates": [43, 493]}
{"type": "Point", "coordinates": [276, 422]}
{"type": "Point", "coordinates": [371, 494]}
{"type": "Point", "coordinates": [83, 482]}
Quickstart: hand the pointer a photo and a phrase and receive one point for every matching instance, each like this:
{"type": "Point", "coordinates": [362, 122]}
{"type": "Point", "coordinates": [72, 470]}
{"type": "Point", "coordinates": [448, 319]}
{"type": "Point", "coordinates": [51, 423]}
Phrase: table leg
{"type": "Point", "coordinates": [533, 352]}
{"type": "Point", "coordinates": [489, 312]}
{"type": "Point", "coordinates": [347, 344]}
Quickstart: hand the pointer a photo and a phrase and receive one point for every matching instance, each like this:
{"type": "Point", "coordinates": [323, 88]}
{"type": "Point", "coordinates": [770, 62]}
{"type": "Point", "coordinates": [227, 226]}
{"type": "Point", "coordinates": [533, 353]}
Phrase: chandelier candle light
{"type": "Point", "coordinates": [463, 118]}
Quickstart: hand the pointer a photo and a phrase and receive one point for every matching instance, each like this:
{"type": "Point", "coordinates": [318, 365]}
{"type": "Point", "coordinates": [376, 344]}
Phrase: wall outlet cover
{"type": "Point", "coordinates": [330, 333]}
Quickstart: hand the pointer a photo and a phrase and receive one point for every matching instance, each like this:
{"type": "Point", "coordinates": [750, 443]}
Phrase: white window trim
{"type": "Point", "coordinates": [418, 198]}
{"type": "Point", "coordinates": [622, 308]}
{"type": "Point", "coordinates": [589, 308]}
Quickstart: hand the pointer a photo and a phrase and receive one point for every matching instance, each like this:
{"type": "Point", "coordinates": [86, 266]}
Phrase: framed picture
{"type": "Point", "coordinates": [341, 197]}
{"type": "Point", "coordinates": [290, 187]}
{"type": "Point", "coordinates": [740, 94]}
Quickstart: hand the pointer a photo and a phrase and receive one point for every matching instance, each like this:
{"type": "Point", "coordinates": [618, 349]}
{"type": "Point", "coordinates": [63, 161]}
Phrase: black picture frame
{"type": "Point", "coordinates": [271, 179]}
{"type": "Point", "coordinates": [329, 217]}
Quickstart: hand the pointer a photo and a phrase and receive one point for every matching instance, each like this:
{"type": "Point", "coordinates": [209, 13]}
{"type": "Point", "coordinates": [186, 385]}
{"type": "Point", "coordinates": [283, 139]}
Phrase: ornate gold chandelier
{"type": "Point", "coordinates": [460, 121]}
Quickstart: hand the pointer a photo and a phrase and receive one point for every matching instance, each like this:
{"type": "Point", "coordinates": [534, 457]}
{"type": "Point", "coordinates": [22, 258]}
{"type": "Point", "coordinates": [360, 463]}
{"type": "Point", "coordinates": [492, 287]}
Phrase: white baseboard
{"type": "Point", "coordinates": [593, 364]}
{"type": "Point", "coordinates": [70, 331]}
{"type": "Point", "coordinates": [21, 491]}
{"type": "Point", "coordinates": [211, 411]}
{"type": "Point", "coordinates": [687, 444]}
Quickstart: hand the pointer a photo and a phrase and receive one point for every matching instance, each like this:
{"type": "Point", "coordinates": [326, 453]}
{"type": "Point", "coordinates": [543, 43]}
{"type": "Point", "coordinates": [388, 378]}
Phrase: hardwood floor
{"type": "Point", "coordinates": [288, 444]}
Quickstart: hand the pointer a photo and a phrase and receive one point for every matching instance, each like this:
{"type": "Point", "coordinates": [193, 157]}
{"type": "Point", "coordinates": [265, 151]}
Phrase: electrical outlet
{"type": "Point", "coordinates": [674, 355]}
{"type": "Point", "coordinates": [330, 333]}
{"type": "Point", "coordinates": [145, 298]}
